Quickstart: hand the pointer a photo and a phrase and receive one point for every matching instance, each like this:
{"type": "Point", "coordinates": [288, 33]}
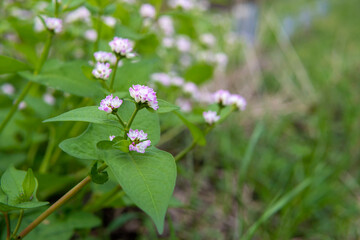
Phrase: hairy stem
{"type": "Point", "coordinates": [58, 204]}
{"type": "Point", "coordinates": [18, 223]}
{"type": "Point", "coordinates": [131, 121]}
{"type": "Point", "coordinates": [114, 73]}
{"type": "Point", "coordinates": [120, 120]}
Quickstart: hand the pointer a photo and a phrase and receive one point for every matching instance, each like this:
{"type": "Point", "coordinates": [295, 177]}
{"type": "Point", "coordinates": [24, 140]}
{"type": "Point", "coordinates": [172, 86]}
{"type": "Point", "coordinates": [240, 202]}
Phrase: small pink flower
{"type": "Point", "coordinates": [8, 89]}
{"type": "Point", "coordinates": [110, 103]}
{"type": "Point", "coordinates": [102, 57]}
{"type": "Point", "coordinates": [122, 46]}
{"type": "Point", "coordinates": [144, 94]}
{"type": "Point", "coordinates": [111, 137]}
{"type": "Point", "coordinates": [147, 11]}
{"type": "Point", "coordinates": [54, 24]}
{"type": "Point", "coordinates": [139, 141]}
{"type": "Point", "coordinates": [102, 70]}
{"type": "Point", "coordinates": [239, 101]}
{"type": "Point", "coordinates": [222, 97]}
{"type": "Point", "coordinates": [211, 117]}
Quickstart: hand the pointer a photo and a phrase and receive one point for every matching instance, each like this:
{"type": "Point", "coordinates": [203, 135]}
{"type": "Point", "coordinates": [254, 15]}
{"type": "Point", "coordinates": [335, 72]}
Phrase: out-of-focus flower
{"type": "Point", "coordinates": [21, 14]}
{"type": "Point", "coordinates": [184, 104]}
{"type": "Point", "coordinates": [22, 105]}
{"type": "Point", "coordinates": [102, 56]}
{"type": "Point", "coordinates": [91, 35]}
{"type": "Point", "coordinates": [38, 25]}
{"type": "Point", "coordinates": [185, 60]}
{"type": "Point", "coordinates": [238, 101]}
{"type": "Point", "coordinates": [191, 88]}
{"type": "Point", "coordinates": [221, 60]}
{"type": "Point", "coordinates": [110, 103]}
{"type": "Point", "coordinates": [8, 89]}
{"type": "Point", "coordinates": [222, 97]}
{"type": "Point", "coordinates": [208, 39]}
{"type": "Point", "coordinates": [168, 42]}
{"type": "Point", "coordinates": [49, 99]}
{"type": "Point", "coordinates": [144, 94]}
{"type": "Point", "coordinates": [102, 70]}
{"type": "Point", "coordinates": [211, 117]}
{"type": "Point", "coordinates": [111, 137]}
{"type": "Point", "coordinates": [147, 11]}
{"type": "Point", "coordinates": [166, 25]}
{"type": "Point", "coordinates": [183, 44]}
{"type": "Point", "coordinates": [122, 46]}
{"type": "Point", "coordinates": [109, 21]}
{"type": "Point", "coordinates": [177, 81]}
{"type": "Point", "coordinates": [162, 78]}
{"type": "Point", "coordinates": [80, 14]}
{"type": "Point", "coordinates": [54, 24]}
{"type": "Point", "coordinates": [185, 4]}
{"type": "Point", "coordinates": [139, 141]}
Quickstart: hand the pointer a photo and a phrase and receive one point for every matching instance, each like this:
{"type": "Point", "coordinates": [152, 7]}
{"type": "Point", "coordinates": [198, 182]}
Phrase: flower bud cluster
{"type": "Point", "coordinates": [122, 47]}
{"type": "Point", "coordinates": [139, 141]}
{"type": "Point", "coordinates": [54, 24]}
{"type": "Point", "coordinates": [225, 98]}
{"type": "Point", "coordinates": [211, 117]}
{"type": "Point", "coordinates": [144, 94]}
{"type": "Point", "coordinates": [109, 104]}
{"type": "Point", "coordinates": [102, 70]}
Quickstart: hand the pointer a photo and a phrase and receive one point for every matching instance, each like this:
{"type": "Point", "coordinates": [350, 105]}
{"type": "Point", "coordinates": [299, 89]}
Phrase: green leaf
{"type": "Point", "coordinates": [13, 195]}
{"type": "Point", "coordinates": [196, 132]}
{"type": "Point", "coordinates": [86, 114]}
{"type": "Point", "coordinates": [148, 179]}
{"type": "Point", "coordinates": [165, 107]}
{"type": "Point", "coordinates": [29, 184]}
{"type": "Point", "coordinates": [122, 145]}
{"type": "Point", "coordinates": [85, 145]}
{"type": "Point", "coordinates": [199, 73]}
{"type": "Point", "coordinates": [98, 177]}
{"type": "Point", "coordinates": [11, 65]}
{"type": "Point", "coordinates": [67, 77]}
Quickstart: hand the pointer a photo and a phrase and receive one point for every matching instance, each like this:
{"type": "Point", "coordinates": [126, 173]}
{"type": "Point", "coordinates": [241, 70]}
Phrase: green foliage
{"type": "Point", "coordinates": [148, 179]}
{"type": "Point", "coordinates": [67, 77]}
{"type": "Point", "coordinates": [196, 133]}
{"type": "Point", "coordinates": [18, 190]}
{"type": "Point", "coordinates": [98, 177]}
{"type": "Point", "coordinates": [199, 73]}
{"type": "Point", "coordinates": [10, 65]}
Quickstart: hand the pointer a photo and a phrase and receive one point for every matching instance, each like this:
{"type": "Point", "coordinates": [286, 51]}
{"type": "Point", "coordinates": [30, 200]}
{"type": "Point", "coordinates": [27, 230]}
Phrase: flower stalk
{"type": "Point", "coordinates": [113, 76]}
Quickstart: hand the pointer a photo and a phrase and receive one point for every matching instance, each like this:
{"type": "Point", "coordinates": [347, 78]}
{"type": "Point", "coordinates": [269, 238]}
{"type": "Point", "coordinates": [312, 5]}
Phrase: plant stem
{"type": "Point", "coordinates": [46, 161]}
{"type": "Point", "coordinates": [18, 223]}
{"type": "Point", "coordinates": [44, 53]}
{"type": "Point", "coordinates": [114, 73]}
{"type": "Point", "coordinates": [207, 130]}
{"type": "Point", "coordinates": [120, 120]}
{"type": "Point", "coordinates": [131, 120]}
{"type": "Point", "coordinates": [98, 30]}
{"type": "Point", "coordinates": [15, 106]}
{"type": "Point", "coordinates": [28, 86]}
{"type": "Point", "coordinates": [58, 204]}
{"type": "Point", "coordinates": [185, 151]}
{"type": "Point", "coordinates": [6, 216]}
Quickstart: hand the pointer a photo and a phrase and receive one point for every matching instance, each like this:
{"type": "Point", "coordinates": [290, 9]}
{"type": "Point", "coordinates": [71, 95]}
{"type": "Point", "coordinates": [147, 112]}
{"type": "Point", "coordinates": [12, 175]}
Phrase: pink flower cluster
{"type": "Point", "coordinates": [101, 56]}
{"type": "Point", "coordinates": [102, 70]}
{"type": "Point", "coordinates": [211, 117]}
{"type": "Point", "coordinates": [122, 46]}
{"type": "Point", "coordinates": [144, 94]}
{"type": "Point", "coordinates": [139, 141]}
{"type": "Point", "coordinates": [110, 103]}
{"type": "Point", "coordinates": [54, 24]}
{"type": "Point", "coordinates": [225, 98]}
